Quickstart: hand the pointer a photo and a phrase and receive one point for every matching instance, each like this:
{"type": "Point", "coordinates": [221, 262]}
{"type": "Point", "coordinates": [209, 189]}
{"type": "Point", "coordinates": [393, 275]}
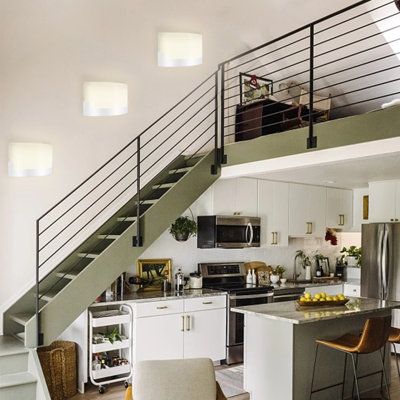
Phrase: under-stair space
{"type": "Point", "coordinates": [19, 378]}
{"type": "Point", "coordinates": [109, 251]}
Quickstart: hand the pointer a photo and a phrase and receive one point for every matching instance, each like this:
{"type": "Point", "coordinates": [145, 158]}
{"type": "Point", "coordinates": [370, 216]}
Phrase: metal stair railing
{"type": "Point", "coordinates": [188, 129]}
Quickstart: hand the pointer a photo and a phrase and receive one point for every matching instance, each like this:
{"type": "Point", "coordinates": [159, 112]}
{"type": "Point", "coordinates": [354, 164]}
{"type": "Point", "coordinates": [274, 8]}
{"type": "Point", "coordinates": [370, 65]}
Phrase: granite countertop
{"type": "Point", "coordinates": [303, 285]}
{"type": "Point", "coordinates": [290, 311]}
{"type": "Point", "coordinates": [148, 296]}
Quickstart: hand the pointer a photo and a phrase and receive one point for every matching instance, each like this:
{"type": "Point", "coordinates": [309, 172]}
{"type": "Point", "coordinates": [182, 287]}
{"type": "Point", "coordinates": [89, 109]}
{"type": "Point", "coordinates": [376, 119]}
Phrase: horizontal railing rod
{"type": "Point", "coordinates": [87, 208]}
{"type": "Point", "coordinates": [304, 27]}
{"type": "Point", "coordinates": [263, 55]}
{"type": "Point", "coordinates": [126, 146]}
{"type": "Point", "coordinates": [87, 194]}
{"type": "Point", "coordinates": [176, 118]}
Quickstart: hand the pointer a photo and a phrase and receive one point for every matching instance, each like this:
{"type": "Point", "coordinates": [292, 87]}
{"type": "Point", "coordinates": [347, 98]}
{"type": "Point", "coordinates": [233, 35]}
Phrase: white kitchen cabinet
{"type": "Point", "coordinates": [328, 289]}
{"type": "Point", "coordinates": [339, 208]}
{"type": "Point", "coordinates": [205, 334]}
{"type": "Point", "coordinates": [384, 201]}
{"type": "Point", "coordinates": [237, 195]}
{"type": "Point", "coordinates": [307, 210]}
{"type": "Point", "coordinates": [159, 337]}
{"type": "Point", "coordinates": [180, 328]}
{"type": "Point", "coordinates": [273, 209]}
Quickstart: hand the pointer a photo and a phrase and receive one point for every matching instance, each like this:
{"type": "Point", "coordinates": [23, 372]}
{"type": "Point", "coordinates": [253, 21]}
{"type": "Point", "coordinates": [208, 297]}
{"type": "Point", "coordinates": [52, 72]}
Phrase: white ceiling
{"type": "Point", "coordinates": [345, 174]}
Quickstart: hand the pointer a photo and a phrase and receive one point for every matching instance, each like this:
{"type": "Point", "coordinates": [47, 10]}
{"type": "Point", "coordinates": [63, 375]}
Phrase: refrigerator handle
{"type": "Point", "coordinates": [385, 265]}
{"type": "Point", "coordinates": [379, 262]}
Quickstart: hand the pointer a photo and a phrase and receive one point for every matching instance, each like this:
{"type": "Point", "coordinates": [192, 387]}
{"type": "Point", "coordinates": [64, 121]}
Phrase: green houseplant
{"type": "Point", "coordinates": [183, 228]}
{"type": "Point", "coordinates": [353, 255]}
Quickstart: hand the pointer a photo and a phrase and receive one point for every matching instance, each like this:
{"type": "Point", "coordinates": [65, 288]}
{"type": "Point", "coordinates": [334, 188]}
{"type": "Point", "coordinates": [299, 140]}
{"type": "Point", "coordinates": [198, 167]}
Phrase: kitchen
{"type": "Point", "coordinates": [341, 202]}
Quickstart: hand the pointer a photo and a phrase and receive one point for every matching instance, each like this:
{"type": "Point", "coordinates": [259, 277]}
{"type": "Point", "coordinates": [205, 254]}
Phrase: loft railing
{"type": "Point", "coordinates": [344, 64]}
{"type": "Point", "coordinates": [348, 59]}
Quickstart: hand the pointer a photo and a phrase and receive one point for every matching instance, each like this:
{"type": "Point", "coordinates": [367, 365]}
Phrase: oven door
{"type": "Point", "coordinates": [237, 232]}
{"type": "Point", "coordinates": [236, 320]}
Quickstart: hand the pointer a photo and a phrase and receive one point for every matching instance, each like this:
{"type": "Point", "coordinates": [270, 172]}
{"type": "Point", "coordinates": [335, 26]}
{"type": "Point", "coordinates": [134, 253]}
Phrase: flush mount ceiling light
{"type": "Point", "coordinates": [30, 159]}
{"type": "Point", "coordinates": [102, 99]}
{"type": "Point", "coordinates": [179, 49]}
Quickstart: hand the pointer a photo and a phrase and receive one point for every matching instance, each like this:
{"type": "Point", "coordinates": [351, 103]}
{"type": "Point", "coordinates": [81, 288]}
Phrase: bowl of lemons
{"type": "Point", "coordinates": [322, 299]}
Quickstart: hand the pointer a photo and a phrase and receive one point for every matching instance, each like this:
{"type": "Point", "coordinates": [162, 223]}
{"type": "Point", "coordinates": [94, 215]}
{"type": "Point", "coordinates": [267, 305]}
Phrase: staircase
{"type": "Point", "coordinates": [20, 377]}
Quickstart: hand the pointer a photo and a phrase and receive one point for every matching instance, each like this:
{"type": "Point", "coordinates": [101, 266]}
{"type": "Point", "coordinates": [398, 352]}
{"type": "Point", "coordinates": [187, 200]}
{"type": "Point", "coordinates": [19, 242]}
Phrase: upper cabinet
{"type": "Point", "coordinates": [307, 210]}
{"type": "Point", "coordinates": [384, 201]}
{"type": "Point", "coordinates": [339, 208]}
{"type": "Point", "coordinates": [273, 209]}
{"type": "Point", "coordinates": [237, 195]}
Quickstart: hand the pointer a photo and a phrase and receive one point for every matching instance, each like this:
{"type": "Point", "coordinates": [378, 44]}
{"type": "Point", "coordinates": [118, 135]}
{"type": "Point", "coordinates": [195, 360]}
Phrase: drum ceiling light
{"type": "Point", "coordinates": [102, 99]}
{"type": "Point", "coordinates": [30, 159]}
{"type": "Point", "coordinates": [179, 49]}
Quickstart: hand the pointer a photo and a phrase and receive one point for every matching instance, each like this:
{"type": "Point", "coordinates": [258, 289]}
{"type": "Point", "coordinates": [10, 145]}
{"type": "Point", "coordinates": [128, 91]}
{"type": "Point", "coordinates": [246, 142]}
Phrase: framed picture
{"type": "Point", "coordinates": [324, 263]}
{"type": "Point", "coordinates": [254, 88]}
{"type": "Point", "coordinates": [153, 271]}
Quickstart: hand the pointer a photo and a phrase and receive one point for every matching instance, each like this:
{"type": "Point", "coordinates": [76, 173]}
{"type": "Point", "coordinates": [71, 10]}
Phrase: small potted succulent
{"type": "Point", "coordinates": [183, 228]}
{"type": "Point", "coordinates": [352, 255]}
{"type": "Point", "coordinates": [276, 274]}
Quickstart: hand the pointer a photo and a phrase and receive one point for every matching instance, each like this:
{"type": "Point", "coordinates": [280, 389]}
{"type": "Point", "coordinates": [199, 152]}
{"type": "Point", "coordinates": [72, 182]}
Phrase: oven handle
{"type": "Point", "coordinates": [283, 296]}
{"type": "Point", "coordinates": [251, 234]}
{"type": "Point", "coordinates": [250, 296]}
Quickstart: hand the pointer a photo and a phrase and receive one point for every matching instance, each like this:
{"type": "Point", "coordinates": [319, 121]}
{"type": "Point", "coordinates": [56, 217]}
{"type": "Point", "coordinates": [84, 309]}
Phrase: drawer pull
{"type": "Point", "coordinates": [183, 323]}
{"type": "Point", "coordinates": [207, 302]}
{"type": "Point", "coordinates": [162, 307]}
{"type": "Point", "coordinates": [188, 322]}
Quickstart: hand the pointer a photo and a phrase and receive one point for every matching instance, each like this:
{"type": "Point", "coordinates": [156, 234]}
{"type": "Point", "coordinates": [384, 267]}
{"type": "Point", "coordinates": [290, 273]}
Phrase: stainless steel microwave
{"type": "Point", "coordinates": [228, 232]}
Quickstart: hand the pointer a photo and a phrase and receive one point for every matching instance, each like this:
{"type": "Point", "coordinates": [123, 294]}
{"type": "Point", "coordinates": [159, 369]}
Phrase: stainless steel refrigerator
{"type": "Point", "coordinates": [380, 263]}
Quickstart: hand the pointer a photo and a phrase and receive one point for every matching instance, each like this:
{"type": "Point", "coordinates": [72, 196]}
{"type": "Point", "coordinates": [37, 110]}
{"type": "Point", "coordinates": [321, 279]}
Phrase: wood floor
{"type": "Point", "coordinates": [116, 391]}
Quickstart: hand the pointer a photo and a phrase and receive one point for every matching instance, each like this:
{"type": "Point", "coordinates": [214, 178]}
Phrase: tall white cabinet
{"type": "Point", "coordinates": [273, 209]}
{"type": "Point", "coordinates": [384, 201]}
{"type": "Point", "coordinates": [307, 210]}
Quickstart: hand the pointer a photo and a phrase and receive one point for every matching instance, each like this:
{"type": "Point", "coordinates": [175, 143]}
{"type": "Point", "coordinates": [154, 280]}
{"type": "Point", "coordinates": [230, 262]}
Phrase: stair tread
{"type": "Point", "coordinates": [164, 185]}
{"type": "Point", "coordinates": [21, 318]}
{"type": "Point", "coordinates": [149, 201]}
{"type": "Point", "coordinates": [180, 170]}
{"type": "Point", "coordinates": [17, 379]}
{"type": "Point", "coordinates": [67, 275]}
{"type": "Point", "coordinates": [88, 255]}
{"type": "Point", "coordinates": [10, 345]}
{"type": "Point", "coordinates": [126, 219]}
{"type": "Point", "coordinates": [109, 237]}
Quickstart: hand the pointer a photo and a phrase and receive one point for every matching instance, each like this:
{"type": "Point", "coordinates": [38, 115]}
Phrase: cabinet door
{"type": "Point", "coordinates": [397, 215]}
{"type": "Point", "coordinates": [224, 196]}
{"type": "Point", "coordinates": [307, 209]}
{"type": "Point", "coordinates": [159, 337]}
{"type": "Point", "coordinates": [339, 208]}
{"type": "Point", "coordinates": [273, 209]}
{"type": "Point", "coordinates": [205, 334]}
{"type": "Point", "coordinates": [246, 197]}
{"type": "Point", "coordinates": [329, 290]}
{"type": "Point", "coordinates": [382, 201]}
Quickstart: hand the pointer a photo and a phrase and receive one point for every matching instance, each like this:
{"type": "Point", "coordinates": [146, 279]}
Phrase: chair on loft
{"type": "Point", "coordinates": [299, 117]}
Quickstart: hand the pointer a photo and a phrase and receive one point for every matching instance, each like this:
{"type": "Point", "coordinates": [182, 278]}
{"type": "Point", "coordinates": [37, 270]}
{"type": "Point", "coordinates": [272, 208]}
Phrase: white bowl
{"type": "Point", "coordinates": [274, 278]}
{"type": "Point", "coordinates": [283, 280]}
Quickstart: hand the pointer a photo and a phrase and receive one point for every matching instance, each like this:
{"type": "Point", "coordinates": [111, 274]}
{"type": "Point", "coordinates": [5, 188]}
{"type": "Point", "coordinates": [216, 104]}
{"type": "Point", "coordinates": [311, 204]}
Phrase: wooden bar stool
{"type": "Point", "coordinates": [394, 338]}
{"type": "Point", "coordinates": [373, 338]}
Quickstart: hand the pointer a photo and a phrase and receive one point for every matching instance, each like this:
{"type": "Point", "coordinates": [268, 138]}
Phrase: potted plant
{"type": "Point", "coordinates": [276, 273]}
{"type": "Point", "coordinates": [183, 228]}
{"type": "Point", "coordinates": [352, 255]}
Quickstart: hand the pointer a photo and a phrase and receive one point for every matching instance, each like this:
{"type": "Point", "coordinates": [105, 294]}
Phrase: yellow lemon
{"type": "Point", "coordinates": [307, 295]}
{"type": "Point", "coordinates": [322, 294]}
{"type": "Point", "coordinates": [335, 298]}
{"type": "Point", "coordinates": [314, 299]}
{"type": "Point", "coordinates": [302, 298]}
{"type": "Point", "coordinates": [328, 298]}
{"type": "Point", "coordinates": [322, 299]}
{"type": "Point", "coordinates": [317, 296]}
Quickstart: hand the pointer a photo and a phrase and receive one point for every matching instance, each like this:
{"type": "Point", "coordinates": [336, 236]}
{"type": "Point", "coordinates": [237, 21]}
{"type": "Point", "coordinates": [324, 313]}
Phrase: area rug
{"type": "Point", "coordinates": [231, 380]}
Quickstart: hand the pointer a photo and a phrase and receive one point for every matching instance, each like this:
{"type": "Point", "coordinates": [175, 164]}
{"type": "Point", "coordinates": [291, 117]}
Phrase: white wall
{"type": "Point", "coordinates": [49, 48]}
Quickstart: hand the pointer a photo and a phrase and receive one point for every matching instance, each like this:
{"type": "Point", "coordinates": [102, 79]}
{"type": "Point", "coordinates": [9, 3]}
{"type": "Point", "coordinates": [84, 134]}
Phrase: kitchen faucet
{"type": "Point", "coordinates": [295, 274]}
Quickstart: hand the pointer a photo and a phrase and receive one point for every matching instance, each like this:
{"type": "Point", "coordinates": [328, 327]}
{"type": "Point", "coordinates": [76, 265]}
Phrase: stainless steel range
{"type": "Point", "coordinates": [231, 277]}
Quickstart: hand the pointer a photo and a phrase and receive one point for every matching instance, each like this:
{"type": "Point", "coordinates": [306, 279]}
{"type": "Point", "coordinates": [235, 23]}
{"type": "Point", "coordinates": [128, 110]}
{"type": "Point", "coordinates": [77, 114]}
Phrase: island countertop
{"type": "Point", "coordinates": [291, 312]}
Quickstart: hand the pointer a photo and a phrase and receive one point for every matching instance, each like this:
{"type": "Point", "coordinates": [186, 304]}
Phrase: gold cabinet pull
{"type": "Point", "coordinates": [161, 307]}
{"type": "Point", "coordinates": [207, 302]}
{"type": "Point", "coordinates": [188, 322]}
{"type": "Point", "coordinates": [309, 228]}
{"type": "Point", "coordinates": [183, 323]}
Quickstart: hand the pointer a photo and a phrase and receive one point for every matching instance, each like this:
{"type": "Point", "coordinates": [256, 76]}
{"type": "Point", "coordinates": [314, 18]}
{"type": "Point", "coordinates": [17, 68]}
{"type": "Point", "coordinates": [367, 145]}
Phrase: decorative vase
{"type": "Point", "coordinates": [351, 261]}
{"type": "Point", "coordinates": [308, 273]}
{"type": "Point", "coordinates": [274, 279]}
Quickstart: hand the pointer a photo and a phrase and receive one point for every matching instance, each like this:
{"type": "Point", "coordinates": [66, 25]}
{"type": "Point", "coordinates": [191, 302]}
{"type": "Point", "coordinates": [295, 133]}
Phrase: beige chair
{"type": "Point", "coordinates": [192, 379]}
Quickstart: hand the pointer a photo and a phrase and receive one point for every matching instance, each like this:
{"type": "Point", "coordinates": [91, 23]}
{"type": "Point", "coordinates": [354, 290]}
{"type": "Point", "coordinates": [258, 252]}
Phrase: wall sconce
{"type": "Point", "coordinates": [30, 159]}
{"type": "Point", "coordinates": [179, 49]}
{"type": "Point", "coordinates": [105, 99]}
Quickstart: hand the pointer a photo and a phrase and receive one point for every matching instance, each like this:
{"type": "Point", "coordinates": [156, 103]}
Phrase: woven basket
{"type": "Point", "coordinates": [59, 368]}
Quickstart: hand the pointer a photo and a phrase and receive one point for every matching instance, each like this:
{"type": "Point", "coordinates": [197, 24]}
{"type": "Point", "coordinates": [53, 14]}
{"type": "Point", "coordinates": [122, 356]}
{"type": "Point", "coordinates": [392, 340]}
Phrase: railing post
{"type": "Point", "coordinates": [217, 165]}
{"type": "Point", "coordinates": [39, 336]}
{"type": "Point", "coordinates": [138, 240]}
{"type": "Point", "coordinates": [223, 158]}
{"type": "Point", "coordinates": [312, 140]}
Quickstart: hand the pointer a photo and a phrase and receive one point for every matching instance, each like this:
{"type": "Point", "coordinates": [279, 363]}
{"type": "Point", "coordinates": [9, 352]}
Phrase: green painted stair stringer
{"type": "Point", "coordinates": [119, 257]}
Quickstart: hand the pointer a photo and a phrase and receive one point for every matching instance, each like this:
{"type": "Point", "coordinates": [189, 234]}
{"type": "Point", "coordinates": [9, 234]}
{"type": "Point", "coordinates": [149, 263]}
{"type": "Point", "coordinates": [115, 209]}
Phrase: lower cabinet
{"type": "Point", "coordinates": [198, 330]}
{"type": "Point", "coordinates": [352, 290]}
{"type": "Point", "coordinates": [329, 289]}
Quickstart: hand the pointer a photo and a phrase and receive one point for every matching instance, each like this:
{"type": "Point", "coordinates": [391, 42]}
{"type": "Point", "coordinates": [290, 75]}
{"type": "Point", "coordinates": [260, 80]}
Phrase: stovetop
{"type": "Point", "coordinates": [241, 288]}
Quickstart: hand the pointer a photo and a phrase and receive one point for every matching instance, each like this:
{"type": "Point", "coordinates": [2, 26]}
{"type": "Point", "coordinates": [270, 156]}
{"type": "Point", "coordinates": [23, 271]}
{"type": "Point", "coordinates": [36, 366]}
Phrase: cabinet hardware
{"type": "Point", "coordinates": [161, 307]}
{"type": "Point", "coordinates": [396, 219]}
{"type": "Point", "coordinates": [274, 238]}
{"type": "Point", "coordinates": [309, 228]}
{"type": "Point", "coordinates": [391, 220]}
{"type": "Point", "coordinates": [183, 323]}
{"type": "Point", "coordinates": [188, 322]}
{"type": "Point", "coordinates": [341, 219]}
{"type": "Point", "coordinates": [207, 302]}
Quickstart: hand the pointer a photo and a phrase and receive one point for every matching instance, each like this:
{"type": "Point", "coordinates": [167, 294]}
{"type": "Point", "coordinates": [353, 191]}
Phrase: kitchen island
{"type": "Point", "coordinates": [279, 348]}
